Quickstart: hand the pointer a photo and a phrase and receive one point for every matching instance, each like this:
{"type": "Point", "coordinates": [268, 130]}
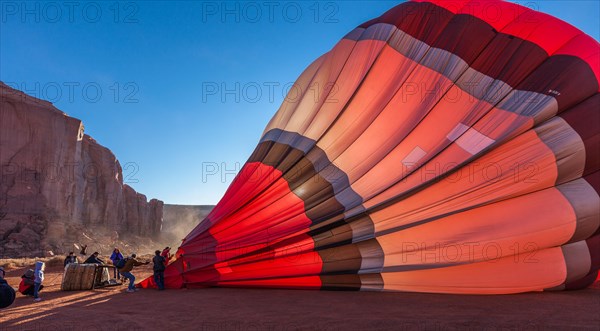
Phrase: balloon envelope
{"type": "Point", "coordinates": [437, 148]}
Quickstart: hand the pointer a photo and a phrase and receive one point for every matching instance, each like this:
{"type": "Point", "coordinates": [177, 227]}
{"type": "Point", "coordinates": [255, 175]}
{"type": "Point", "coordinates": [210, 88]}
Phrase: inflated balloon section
{"type": "Point", "coordinates": [442, 147]}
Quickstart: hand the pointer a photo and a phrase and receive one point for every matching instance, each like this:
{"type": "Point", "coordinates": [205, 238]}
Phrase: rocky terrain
{"type": "Point", "coordinates": [59, 187]}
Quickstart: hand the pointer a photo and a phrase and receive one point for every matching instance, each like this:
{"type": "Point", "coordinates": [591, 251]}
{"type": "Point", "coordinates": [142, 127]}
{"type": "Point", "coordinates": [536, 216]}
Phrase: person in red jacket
{"type": "Point", "coordinates": [26, 286]}
{"type": "Point", "coordinates": [166, 253]}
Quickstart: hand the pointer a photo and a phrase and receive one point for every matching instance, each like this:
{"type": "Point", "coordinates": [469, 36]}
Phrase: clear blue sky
{"type": "Point", "coordinates": [147, 77]}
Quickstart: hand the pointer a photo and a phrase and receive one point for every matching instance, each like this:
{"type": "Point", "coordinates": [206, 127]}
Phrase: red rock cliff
{"type": "Point", "coordinates": [56, 181]}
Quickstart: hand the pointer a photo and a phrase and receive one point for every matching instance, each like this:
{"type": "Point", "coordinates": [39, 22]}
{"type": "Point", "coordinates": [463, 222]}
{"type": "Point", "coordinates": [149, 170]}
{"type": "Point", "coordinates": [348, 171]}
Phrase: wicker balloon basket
{"type": "Point", "coordinates": [79, 277]}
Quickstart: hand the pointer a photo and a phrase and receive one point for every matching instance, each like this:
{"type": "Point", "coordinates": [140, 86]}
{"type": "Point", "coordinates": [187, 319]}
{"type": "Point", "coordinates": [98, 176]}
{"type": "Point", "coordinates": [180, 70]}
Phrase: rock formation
{"type": "Point", "coordinates": [57, 181]}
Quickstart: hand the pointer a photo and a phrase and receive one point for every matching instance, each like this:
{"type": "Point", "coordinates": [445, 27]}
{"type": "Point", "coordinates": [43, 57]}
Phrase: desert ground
{"type": "Point", "coordinates": [113, 309]}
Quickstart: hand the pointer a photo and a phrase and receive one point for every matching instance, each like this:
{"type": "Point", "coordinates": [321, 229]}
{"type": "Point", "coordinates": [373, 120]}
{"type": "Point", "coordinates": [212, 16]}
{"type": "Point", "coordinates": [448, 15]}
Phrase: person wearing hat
{"type": "Point", "coordinates": [130, 263]}
{"type": "Point", "coordinates": [7, 293]}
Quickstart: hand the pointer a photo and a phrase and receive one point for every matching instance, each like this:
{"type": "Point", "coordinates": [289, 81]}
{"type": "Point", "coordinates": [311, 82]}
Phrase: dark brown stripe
{"type": "Point", "coordinates": [326, 238]}
{"type": "Point", "coordinates": [340, 282]}
{"type": "Point", "coordinates": [371, 282]}
{"type": "Point", "coordinates": [342, 259]}
{"type": "Point", "coordinates": [585, 120]}
{"type": "Point", "coordinates": [593, 244]}
{"type": "Point", "coordinates": [581, 283]}
{"type": "Point", "coordinates": [366, 256]}
{"type": "Point", "coordinates": [424, 21]}
{"type": "Point", "coordinates": [569, 76]}
{"type": "Point", "coordinates": [594, 180]}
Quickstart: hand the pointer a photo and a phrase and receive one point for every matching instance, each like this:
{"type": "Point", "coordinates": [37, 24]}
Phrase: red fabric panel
{"type": "Point", "coordinates": [515, 20]}
{"type": "Point", "coordinates": [251, 180]}
{"type": "Point", "coordinates": [257, 212]}
{"type": "Point", "coordinates": [173, 278]}
{"type": "Point", "coordinates": [306, 283]}
{"type": "Point", "coordinates": [297, 265]}
{"type": "Point", "coordinates": [274, 213]}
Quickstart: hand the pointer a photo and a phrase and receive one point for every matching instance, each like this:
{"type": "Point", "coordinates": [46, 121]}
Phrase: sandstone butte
{"type": "Point", "coordinates": [57, 182]}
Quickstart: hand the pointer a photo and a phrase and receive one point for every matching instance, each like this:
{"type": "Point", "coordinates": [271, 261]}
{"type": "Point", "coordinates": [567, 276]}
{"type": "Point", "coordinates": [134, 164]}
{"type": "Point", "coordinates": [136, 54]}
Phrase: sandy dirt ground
{"type": "Point", "coordinates": [112, 309]}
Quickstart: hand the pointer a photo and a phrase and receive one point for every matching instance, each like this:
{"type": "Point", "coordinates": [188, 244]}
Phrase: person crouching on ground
{"type": "Point", "coordinates": [159, 270]}
{"type": "Point", "coordinates": [27, 282]}
{"type": "Point", "coordinates": [115, 257]}
{"type": "Point", "coordinates": [130, 263]}
{"type": "Point", "coordinates": [39, 279]}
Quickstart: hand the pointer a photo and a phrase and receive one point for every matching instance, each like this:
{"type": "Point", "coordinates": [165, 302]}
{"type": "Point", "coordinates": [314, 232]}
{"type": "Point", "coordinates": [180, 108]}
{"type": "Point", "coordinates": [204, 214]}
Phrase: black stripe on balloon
{"type": "Point", "coordinates": [369, 282]}
{"type": "Point", "coordinates": [340, 282]}
{"type": "Point", "coordinates": [584, 119]}
{"type": "Point", "coordinates": [594, 180]}
{"type": "Point", "coordinates": [520, 63]}
{"type": "Point", "coordinates": [593, 246]}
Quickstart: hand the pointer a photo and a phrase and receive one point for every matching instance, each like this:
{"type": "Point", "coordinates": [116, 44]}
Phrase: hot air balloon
{"type": "Point", "coordinates": [437, 148]}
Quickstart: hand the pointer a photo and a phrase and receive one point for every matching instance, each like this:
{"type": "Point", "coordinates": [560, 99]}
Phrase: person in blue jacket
{"type": "Point", "coordinates": [39, 279]}
{"type": "Point", "coordinates": [115, 257]}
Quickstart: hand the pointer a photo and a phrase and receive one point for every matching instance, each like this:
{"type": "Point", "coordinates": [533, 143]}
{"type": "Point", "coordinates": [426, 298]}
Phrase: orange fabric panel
{"type": "Point", "coordinates": [309, 99]}
{"type": "Point", "coordinates": [286, 110]}
{"type": "Point", "coordinates": [387, 75]}
{"type": "Point", "coordinates": [411, 104]}
{"type": "Point", "coordinates": [512, 274]}
{"type": "Point", "coordinates": [425, 89]}
{"type": "Point", "coordinates": [429, 138]}
{"type": "Point", "coordinates": [538, 220]}
{"type": "Point", "coordinates": [356, 67]}
{"type": "Point", "coordinates": [498, 124]}
{"type": "Point", "coordinates": [488, 179]}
